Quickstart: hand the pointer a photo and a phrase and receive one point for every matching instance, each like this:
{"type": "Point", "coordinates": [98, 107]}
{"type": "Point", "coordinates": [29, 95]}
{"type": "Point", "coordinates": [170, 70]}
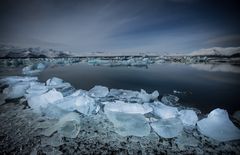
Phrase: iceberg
{"type": "Point", "coordinates": [218, 126]}
{"type": "Point", "coordinates": [68, 126]}
{"type": "Point", "coordinates": [33, 69]}
{"type": "Point", "coordinates": [163, 111]}
{"type": "Point", "coordinates": [37, 102]}
{"type": "Point", "coordinates": [189, 118]}
{"type": "Point", "coordinates": [99, 91]}
{"type": "Point", "coordinates": [129, 124]}
{"type": "Point", "coordinates": [168, 128]}
{"type": "Point", "coordinates": [131, 108]}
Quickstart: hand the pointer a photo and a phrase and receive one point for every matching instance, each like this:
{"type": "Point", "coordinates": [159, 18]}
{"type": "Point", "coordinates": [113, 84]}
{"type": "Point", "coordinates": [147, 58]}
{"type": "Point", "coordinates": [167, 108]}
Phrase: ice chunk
{"type": "Point", "coordinates": [164, 111]}
{"type": "Point", "coordinates": [68, 126]}
{"type": "Point", "coordinates": [170, 99]}
{"type": "Point", "coordinates": [218, 126]}
{"type": "Point", "coordinates": [33, 69]}
{"type": "Point", "coordinates": [83, 104]}
{"type": "Point", "coordinates": [16, 90]}
{"type": "Point", "coordinates": [134, 108]}
{"type": "Point", "coordinates": [99, 91]}
{"type": "Point", "coordinates": [168, 128]}
{"type": "Point", "coordinates": [148, 97]}
{"type": "Point", "coordinates": [37, 102]}
{"type": "Point", "coordinates": [127, 124]}
{"type": "Point", "coordinates": [14, 79]}
{"type": "Point", "coordinates": [183, 141]}
{"type": "Point", "coordinates": [36, 89]}
{"type": "Point", "coordinates": [126, 95]}
{"type": "Point", "coordinates": [188, 117]}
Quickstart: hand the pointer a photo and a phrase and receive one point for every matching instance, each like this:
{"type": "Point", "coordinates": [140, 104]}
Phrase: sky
{"type": "Point", "coordinates": [121, 26]}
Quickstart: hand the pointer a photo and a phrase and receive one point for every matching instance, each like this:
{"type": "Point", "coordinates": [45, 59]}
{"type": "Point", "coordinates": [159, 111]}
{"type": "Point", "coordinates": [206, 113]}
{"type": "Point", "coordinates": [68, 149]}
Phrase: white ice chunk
{"type": "Point", "coordinates": [16, 90]}
{"type": "Point", "coordinates": [57, 83]}
{"type": "Point", "coordinates": [148, 97]}
{"type": "Point", "coordinates": [14, 79]}
{"type": "Point", "coordinates": [99, 91]}
{"type": "Point", "coordinates": [218, 126]}
{"type": "Point", "coordinates": [188, 117]}
{"type": "Point", "coordinates": [168, 128]}
{"type": "Point", "coordinates": [68, 126]}
{"type": "Point", "coordinates": [36, 89]}
{"type": "Point", "coordinates": [164, 111]}
{"type": "Point", "coordinates": [127, 124]}
{"type": "Point", "coordinates": [37, 102]}
{"type": "Point", "coordinates": [33, 69]}
{"type": "Point", "coordinates": [83, 104]}
{"type": "Point", "coordinates": [133, 108]}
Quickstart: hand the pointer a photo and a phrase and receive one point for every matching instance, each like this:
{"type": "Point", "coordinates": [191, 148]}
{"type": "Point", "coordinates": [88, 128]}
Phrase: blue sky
{"type": "Point", "coordinates": [125, 26]}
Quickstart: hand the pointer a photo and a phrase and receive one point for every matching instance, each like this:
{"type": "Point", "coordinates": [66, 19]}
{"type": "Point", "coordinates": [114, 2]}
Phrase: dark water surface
{"type": "Point", "coordinates": [209, 90]}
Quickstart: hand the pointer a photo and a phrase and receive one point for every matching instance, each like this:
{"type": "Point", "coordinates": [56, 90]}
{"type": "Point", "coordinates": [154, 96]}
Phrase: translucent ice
{"type": "Point", "coordinates": [188, 117]}
{"type": "Point", "coordinates": [148, 97]}
{"type": "Point", "coordinates": [98, 91]}
{"type": "Point", "coordinates": [133, 108]}
{"type": "Point", "coordinates": [170, 99]}
{"type": "Point", "coordinates": [127, 124]}
{"type": "Point", "coordinates": [14, 79]}
{"type": "Point", "coordinates": [68, 126]}
{"type": "Point", "coordinates": [164, 111]}
{"type": "Point", "coordinates": [37, 102]}
{"type": "Point", "coordinates": [33, 69]}
{"type": "Point", "coordinates": [16, 90]}
{"type": "Point", "coordinates": [168, 128]}
{"type": "Point", "coordinates": [36, 89]}
{"type": "Point", "coordinates": [218, 126]}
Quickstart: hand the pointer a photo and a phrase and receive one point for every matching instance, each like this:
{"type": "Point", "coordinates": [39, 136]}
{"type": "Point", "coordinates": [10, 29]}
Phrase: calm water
{"type": "Point", "coordinates": [209, 90]}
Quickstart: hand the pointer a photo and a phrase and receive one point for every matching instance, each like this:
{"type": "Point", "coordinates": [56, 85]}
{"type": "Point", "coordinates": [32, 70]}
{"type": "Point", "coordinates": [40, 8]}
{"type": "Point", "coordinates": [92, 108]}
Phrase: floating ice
{"type": "Point", "coordinates": [33, 69]}
{"type": "Point", "coordinates": [188, 117]}
{"type": "Point", "coordinates": [127, 124]}
{"type": "Point", "coordinates": [168, 128]}
{"type": "Point", "coordinates": [133, 108]}
{"type": "Point", "coordinates": [125, 95]}
{"type": "Point", "coordinates": [68, 126]}
{"type": "Point", "coordinates": [170, 99]}
{"type": "Point", "coordinates": [36, 89]}
{"type": "Point", "coordinates": [164, 111]}
{"type": "Point", "coordinates": [37, 102]}
{"type": "Point", "coordinates": [218, 126]}
{"type": "Point", "coordinates": [14, 79]}
{"type": "Point", "coordinates": [99, 91]}
{"type": "Point", "coordinates": [148, 97]}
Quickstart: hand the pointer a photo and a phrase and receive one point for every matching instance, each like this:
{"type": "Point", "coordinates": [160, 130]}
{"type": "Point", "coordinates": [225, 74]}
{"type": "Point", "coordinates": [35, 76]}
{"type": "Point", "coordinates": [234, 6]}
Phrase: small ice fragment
{"type": "Point", "coordinates": [170, 99]}
{"type": "Point", "coordinates": [99, 91]}
{"type": "Point", "coordinates": [33, 69]}
{"type": "Point", "coordinates": [164, 111]}
{"type": "Point", "coordinates": [68, 126]}
{"type": "Point", "coordinates": [133, 108]}
{"type": "Point", "coordinates": [145, 97]}
{"type": "Point", "coordinates": [168, 128]}
{"type": "Point", "coordinates": [188, 117]}
{"type": "Point", "coordinates": [14, 79]}
{"type": "Point", "coordinates": [129, 124]}
{"type": "Point", "coordinates": [37, 102]}
{"type": "Point", "coordinates": [218, 126]}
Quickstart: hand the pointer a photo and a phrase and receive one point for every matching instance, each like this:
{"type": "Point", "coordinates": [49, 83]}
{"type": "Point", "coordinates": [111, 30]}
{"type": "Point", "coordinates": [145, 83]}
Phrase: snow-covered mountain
{"type": "Point", "coordinates": [217, 51]}
{"type": "Point", "coordinates": [8, 51]}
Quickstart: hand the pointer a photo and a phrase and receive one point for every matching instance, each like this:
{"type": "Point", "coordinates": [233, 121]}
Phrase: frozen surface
{"type": "Point", "coordinates": [98, 91]}
{"type": "Point", "coordinates": [168, 128]}
{"type": "Point", "coordinates": [188, 117]}
{"type": "Point", "coordinates": [129, 124]}
{"type": "Point", "coordinates": [68, 126]}
{"type": "Point", "coordinates": [163, 111]}
{"type": "Point", "coordinates": [132, 108]}
{"type": "Point", "coordinates": [218, 126]}
{"type": "Point", "coordinates": [37, 102]}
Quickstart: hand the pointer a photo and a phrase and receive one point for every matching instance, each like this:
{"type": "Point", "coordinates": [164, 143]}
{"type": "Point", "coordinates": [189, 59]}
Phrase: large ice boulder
{"type": "Point", "coordinates": [67, 126]}
{"type": "Point", "coordinates": [189, 118]}
{"type": "Point", "coordinates": [37, 102]}
{"type": "Point", "coordinates": [36, 88]}
{"type": "Point", "coordinates": [99, 91]}
{"type": "Point", "coordinates": [34, 69]}
{"type": "Point", "coordinates": [145, 97]}
{"type": "Point", "coordinates": [168, 128]}
{"type": "Point", "coordinates": [16, 90]}
{"type": "Point", "coordinates": [132, 108]}
{"type": "Point", "coordinates": [218, 126]}
{"type": "Point", "coordinates": [163, 111]}
{"type": "Point", "coordinates": [129, 124]}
